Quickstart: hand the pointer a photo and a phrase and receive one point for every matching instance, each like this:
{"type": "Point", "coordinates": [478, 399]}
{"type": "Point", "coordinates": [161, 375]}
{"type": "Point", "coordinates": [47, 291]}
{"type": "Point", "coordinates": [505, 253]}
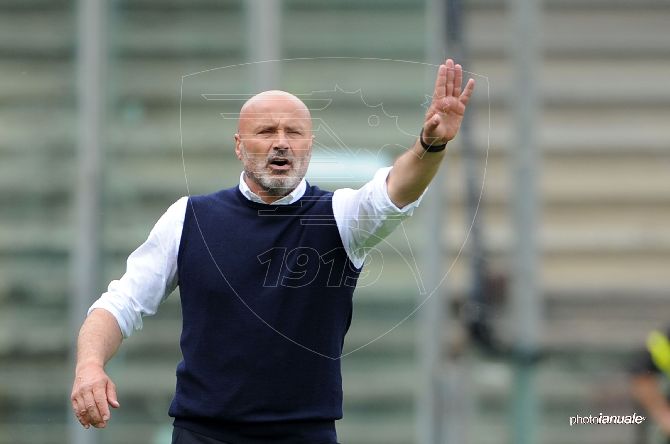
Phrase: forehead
{"type": "Point", "coordinates": [275, 110]}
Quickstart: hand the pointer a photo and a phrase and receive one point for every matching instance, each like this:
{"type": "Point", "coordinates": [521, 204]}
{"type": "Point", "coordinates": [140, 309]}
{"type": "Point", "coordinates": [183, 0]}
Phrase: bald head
{"type": "Point", "coordinates": [273, 104]}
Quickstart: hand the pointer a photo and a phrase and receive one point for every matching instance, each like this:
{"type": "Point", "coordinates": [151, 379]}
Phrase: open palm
{"type": "Point", "coordinates": [445, 113]}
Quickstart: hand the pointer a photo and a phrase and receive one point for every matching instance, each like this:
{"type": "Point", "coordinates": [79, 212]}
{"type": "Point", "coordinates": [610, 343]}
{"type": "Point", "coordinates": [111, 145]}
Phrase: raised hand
{"type": "Point", "coordinates": [445, 113]}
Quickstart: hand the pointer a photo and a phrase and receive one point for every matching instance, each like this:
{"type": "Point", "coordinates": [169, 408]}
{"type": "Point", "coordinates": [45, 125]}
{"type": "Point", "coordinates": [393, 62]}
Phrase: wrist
{"type": "Point", "coordinates": [431, 147]}
{"type": "Point", "coordinates": [88, 365]}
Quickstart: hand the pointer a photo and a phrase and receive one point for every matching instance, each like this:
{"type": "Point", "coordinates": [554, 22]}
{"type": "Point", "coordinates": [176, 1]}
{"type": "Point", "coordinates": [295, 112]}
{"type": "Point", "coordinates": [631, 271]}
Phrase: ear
{"type": "Point", "coordinates": [238, 148]}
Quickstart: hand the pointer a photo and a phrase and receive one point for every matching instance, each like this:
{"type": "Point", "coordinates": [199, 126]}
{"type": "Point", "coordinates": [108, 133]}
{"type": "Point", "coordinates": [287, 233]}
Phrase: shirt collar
{"type": "Point", "coordinates": [290, 198]}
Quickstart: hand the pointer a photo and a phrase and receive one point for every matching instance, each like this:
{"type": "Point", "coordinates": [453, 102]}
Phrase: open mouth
{"type": "Point", "coordinates": [280, 164]}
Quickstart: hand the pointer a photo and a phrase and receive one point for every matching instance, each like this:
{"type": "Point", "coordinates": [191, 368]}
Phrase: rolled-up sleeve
{"type": "Point", "coordinates": [367, 215]}
{"type": "Point", "coordinates": [151, 273]}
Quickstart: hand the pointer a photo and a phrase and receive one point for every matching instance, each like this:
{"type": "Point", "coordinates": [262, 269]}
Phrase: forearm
{"type": "Point", "coordinates": [99, 339]}
{"type": "Point", "coordinates": [413, 171]}
{"type": "Point", "coordinates": [646, 390]}
{"type": "Point", "coordinates": [411, 174]}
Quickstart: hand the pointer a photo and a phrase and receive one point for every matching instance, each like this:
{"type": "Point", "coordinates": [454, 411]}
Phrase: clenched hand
{"type": "Point", "coordinates": [92, 394]}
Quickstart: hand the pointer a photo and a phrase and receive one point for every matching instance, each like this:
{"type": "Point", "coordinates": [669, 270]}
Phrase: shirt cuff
{"type": "Point", "coordinates": [382, 194]}
{"type": "Point", "coordinates": [126, 326]}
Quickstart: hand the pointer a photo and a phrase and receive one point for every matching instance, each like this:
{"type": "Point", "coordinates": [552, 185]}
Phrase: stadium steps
{"type": "Point", "coordinates": [610, 321]}
{"type": "Point", "coordinates": [604, 198]}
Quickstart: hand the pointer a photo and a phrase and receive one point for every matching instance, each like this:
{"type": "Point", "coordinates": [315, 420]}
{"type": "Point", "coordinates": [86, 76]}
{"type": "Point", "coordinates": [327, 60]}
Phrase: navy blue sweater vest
{"type": "Point", "coordinates": [266, 293]}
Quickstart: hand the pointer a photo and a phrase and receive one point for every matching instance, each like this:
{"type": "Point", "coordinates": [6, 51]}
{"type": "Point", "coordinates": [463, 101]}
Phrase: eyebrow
{"type": "Point", "coordinates": [294, 128]}
{"type": "Point", "coordinates": [274, 126]}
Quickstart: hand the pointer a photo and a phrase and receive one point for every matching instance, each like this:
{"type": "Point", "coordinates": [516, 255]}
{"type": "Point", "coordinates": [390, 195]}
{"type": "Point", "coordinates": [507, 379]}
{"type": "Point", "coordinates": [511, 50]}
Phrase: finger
{"type": "Point", "coordinates": [458, 81]}
{"type": "Point", "coordinates": [111, 395]}
{"type": "Point", "coordinates": [469, 88]}
{"type": "Point", "coordinates": [79, 411]}
{"type": "Point", "coordinates": [450, 77]}
{"type": "Point", "coordinates": [91, 409]}
{"type": "Point", "coordinates": [80, 419]}
{"type": "Point", "coordinates": [100, 396]}
{"type": "Point", "coordinates": [440, 83]}
{"type": "Point", "coordinates": [83, 420]}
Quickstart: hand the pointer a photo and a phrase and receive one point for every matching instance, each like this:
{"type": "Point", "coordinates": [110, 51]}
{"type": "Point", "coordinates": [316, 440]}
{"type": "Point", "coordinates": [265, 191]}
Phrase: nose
{"type": "Point", "coordinates": [281, 142]}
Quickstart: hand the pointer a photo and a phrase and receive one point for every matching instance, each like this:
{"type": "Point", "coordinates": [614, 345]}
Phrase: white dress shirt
{"type": "Point", "coordinates": [363, 217]}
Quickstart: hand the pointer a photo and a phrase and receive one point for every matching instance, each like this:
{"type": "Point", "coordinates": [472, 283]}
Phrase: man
{"type": "Point", "coordinates": [266, 272]}
{"type": "Point", "coordinates": [648, 371]}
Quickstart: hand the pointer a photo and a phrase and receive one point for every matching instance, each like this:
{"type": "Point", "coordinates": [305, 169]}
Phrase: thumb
{"type": "Point", "coordinates": [431, 123]}
{"type": "Point", "coordinates": [111, 395]}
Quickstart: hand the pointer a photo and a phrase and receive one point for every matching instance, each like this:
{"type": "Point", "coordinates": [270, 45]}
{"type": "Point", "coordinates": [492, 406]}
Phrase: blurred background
{"type": "Point", "coordinates": [496, 331]}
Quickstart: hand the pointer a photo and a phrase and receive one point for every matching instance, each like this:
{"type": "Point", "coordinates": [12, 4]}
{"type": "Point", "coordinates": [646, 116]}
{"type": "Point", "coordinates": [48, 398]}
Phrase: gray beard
{"type": "Point", "coordinates": [274, 186]}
